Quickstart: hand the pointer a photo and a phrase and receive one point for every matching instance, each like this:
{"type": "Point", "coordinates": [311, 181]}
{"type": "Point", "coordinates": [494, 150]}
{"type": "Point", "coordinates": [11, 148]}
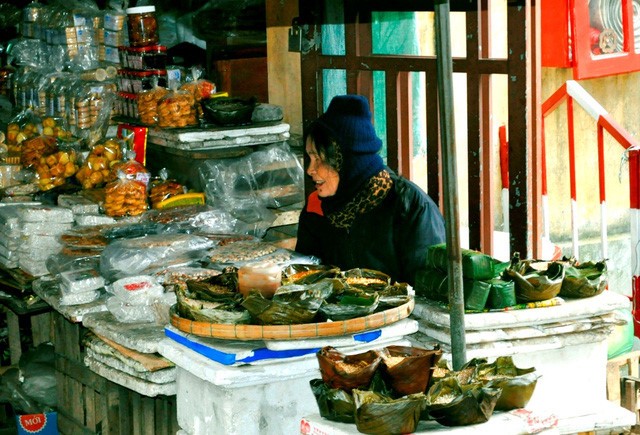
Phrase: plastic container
{"type": "Point", "coordinates": [143, 58]}
{"type": "Point", "coordinates": [137, 81]}
{"type": "Point", "coordinates": [264, 277]}
{"type": "Point", "coordinates": [142, 26]}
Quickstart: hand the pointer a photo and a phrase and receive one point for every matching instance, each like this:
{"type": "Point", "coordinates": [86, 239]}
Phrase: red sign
{"type": "Point", "coordinates": [33, 423]}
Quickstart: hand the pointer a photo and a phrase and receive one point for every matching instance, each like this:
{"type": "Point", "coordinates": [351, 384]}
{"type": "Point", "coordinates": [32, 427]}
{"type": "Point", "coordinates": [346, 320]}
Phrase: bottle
{"type": "Point", "coordinates": [142, 26]}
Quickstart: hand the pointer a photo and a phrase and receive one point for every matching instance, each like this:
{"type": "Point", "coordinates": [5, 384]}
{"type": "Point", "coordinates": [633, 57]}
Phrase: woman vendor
{"type": "Point", "coordinates": [362, 214]}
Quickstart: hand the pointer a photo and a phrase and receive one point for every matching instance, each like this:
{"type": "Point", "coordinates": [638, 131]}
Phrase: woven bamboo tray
{"type": "Point", "coordinates": [291, 332]}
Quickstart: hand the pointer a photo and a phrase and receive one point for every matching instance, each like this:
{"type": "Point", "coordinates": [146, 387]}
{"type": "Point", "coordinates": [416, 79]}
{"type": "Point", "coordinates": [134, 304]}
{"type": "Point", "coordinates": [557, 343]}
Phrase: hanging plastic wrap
{"type": "Point", "coordinates": [271, 177]}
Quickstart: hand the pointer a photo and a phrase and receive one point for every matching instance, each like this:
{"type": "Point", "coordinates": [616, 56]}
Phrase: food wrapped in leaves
{"type": "Point", "coordinates": [347, 371]}
{"type": "Point", "coordinates": [502, 294]}
{"type": "Point", "coordinates": [395, 295]}
{"type": "Point", "coordinates": [432, 284]}
{"type": "Point", "coordinates": [517, 384]}
{"type": "Point", "coordinates": [334, 404]}
{"type": "Point", "coordinates": [366, 279]}
{"type": "Point", "coordinates": [380, 415]}
{"type": "Point", "coordinates": [273, 312]}
{"type": "Point", "coordinates": [476, 294]}
{"type": "Point", "coordinates": [452, 405]}
{"type": "Point", "coordinates": [464, 376]}
{"type": "Point", "coordinates": [307, 273]}
{"type": "Point", "coordinates": [475, 265]}
{"type": "Point", "coordinates": [535, 284]}
{"type": "Point", "coordinates": [408, 369]}
{"type": "Point", "coordinates": [349, 306]}
{"type": "Point", "coordinates": [584, 280]}
{"type": "Point", "coordinates": [209, 302]}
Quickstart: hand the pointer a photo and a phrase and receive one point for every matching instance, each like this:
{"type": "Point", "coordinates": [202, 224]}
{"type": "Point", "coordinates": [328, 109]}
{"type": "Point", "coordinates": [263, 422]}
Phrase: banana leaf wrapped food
{"type": "Point", "coordinates": [213, 300]}
{"type": "Point", "coordinates": [584, 280]}
{"type": "Point", "coordinates": [451, 404]}
{"type": "Point", "coordinates": [475, 264]}
{"type": "Point", "coordinates": [377, 414]}
{"type": "Point", "coordinates": [307, 273]}
{"type": "Point", "coordinates": [347, 372]}
{"type": "Point", "coordinates": [408, 369]}
{"type": "Point", "coordinates": [334, 404]}
{"type": "Point", "coordinates": [502, 294]}
{"type": "Point", "coordinates": [291, 304]}
{"type": "Point", "coordinates": [535, 280]}
{"type": "Point", "coordinates": [349, 305]}
{"type": "Point", "coordinates": [368, 280]}
{"type": "Point", "coordinates": [432, 284]}
{"type": "Point", "coordinates": [517, 384]}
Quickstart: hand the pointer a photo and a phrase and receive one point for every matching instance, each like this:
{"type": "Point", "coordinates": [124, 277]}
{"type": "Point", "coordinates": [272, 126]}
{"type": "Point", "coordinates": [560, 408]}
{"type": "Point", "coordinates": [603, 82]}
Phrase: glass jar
{"type": "Point", "coordinates": [142, 26]}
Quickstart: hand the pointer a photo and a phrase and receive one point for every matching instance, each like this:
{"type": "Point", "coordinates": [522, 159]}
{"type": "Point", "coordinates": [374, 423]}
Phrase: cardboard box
{"type": "Point", "coordinates": [41, 424]}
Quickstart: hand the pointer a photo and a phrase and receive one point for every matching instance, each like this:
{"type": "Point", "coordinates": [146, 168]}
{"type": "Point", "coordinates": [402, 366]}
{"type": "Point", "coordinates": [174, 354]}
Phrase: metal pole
{"type": "Point", "coordinates": [450, 182]}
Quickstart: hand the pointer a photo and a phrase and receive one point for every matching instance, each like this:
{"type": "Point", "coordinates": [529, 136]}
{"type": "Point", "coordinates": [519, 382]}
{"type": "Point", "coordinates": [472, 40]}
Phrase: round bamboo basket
{"type": "Point", "coordinates": [291, 332]}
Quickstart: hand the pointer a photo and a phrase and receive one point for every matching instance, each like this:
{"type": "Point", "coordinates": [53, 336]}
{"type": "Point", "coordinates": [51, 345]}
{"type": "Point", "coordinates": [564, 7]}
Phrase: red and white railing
{"type": "Point", "coordinates": [572, 92]}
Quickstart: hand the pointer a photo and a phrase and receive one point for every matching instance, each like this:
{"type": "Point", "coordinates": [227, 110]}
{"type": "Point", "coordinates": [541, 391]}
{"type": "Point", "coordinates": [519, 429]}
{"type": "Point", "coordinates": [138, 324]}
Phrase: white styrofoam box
{"type": "Point", "coordinates": [604, 303]}
{"type": "Point", "coordinates": [572, 366]}
{"type": "Point", "coordinates": [263, 399]}
{"type": "Point", "coordinates": [608, 418]}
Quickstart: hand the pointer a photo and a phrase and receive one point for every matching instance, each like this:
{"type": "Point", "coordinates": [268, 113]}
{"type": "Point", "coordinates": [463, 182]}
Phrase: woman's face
{"type": "Point", "coordinates": [324, 177]}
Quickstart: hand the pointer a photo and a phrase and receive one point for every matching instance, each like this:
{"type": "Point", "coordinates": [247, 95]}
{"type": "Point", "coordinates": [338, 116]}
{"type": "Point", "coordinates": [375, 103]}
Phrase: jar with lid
{"type": "Point", "coordinates": [142, 26]}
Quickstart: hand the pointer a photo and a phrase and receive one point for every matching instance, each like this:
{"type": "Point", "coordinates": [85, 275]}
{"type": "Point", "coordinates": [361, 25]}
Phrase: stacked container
{"type": "Point", "coordinates": [143, 60]}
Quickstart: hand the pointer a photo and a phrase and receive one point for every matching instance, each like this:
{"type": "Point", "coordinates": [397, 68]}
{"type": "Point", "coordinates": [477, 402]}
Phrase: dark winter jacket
{"type": "Point", "coordinates": [392, 238]}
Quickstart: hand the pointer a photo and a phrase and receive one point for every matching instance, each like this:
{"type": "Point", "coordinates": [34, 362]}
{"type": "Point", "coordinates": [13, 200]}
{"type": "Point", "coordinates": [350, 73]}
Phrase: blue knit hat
{"type": "Point", "coordinates": [348, 118]}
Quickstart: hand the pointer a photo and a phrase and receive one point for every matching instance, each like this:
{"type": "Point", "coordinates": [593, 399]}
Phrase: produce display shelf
{"type": "Point", "coordinates": [291, 332]}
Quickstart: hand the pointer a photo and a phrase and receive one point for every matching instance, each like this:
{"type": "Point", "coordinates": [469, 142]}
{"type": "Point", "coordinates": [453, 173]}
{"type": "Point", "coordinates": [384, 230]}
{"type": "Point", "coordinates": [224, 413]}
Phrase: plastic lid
{"type": "Point", "coordinates": [141, 10]}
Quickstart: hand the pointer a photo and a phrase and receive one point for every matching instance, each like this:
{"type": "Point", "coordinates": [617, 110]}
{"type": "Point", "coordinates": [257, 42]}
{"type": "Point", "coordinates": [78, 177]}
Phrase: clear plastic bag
{"type": "Point", "coordinates": [271, 177]}
{"type": "Point", "coordinates": [125, 197]}
{"type": "Point", "coordinates": [96, 169]}
{"type": "Point", "coordinates": [177, 109]}
{"type": "Point", "coordinates": [53, 169]}
{"type": "Point", "coordinates": [128, 257]}
{"type": "Point", "coordinates": [148, 103]}
{"type": "Point", "coordinates": [164, 188]}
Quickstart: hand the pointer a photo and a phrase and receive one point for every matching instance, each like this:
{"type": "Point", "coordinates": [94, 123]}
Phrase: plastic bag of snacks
{"type": "Point", "coordinates": [200, 88]}
{"type": "Point", "coordinates": [177, 109]}
{"type": "Point", "coordinates": [163, 188]}
{"type": "Point", "coordinates": [21, 127]}
{"type": "Point", "coordinates": [36, 147]}
{"type": "Point", "coordinates": [53, 170]}
{"type": "Point", "coordinates": [148, 103]}
{"type": "Point", "coordinates": [125, 197]}
{"type": "Point", "coordinates": [96, 169]}
{"type": "Point", "coordinates": [131, 168]}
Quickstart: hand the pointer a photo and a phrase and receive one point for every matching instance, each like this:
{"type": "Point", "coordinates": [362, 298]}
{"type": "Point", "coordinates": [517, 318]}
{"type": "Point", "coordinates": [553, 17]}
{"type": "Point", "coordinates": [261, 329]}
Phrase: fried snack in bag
{"type": "Point", "coordinates": [148, 103]}
{"type": "Point", "coordinates": [36, 147]}
{"type": "Point", "coordinates": [125, 197]}
{"type": "Point", "coordinates": [177, 109]}
{"type": "Point", "coordinates": [200, 88]}
{"type": "Point", "coordinates": [96, 169]}
{"type": "Point", "coordinates": [131, 168]}
{"type": "Point", "coordinates": [53, 170]}
{"type": "Point", "coordinates": [163, 188]}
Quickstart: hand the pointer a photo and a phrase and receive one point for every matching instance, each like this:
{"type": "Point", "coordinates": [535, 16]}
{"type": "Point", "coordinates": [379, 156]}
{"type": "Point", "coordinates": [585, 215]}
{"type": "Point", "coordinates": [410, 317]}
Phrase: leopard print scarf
{"type": "Point", "coordinates": [368, 198]}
